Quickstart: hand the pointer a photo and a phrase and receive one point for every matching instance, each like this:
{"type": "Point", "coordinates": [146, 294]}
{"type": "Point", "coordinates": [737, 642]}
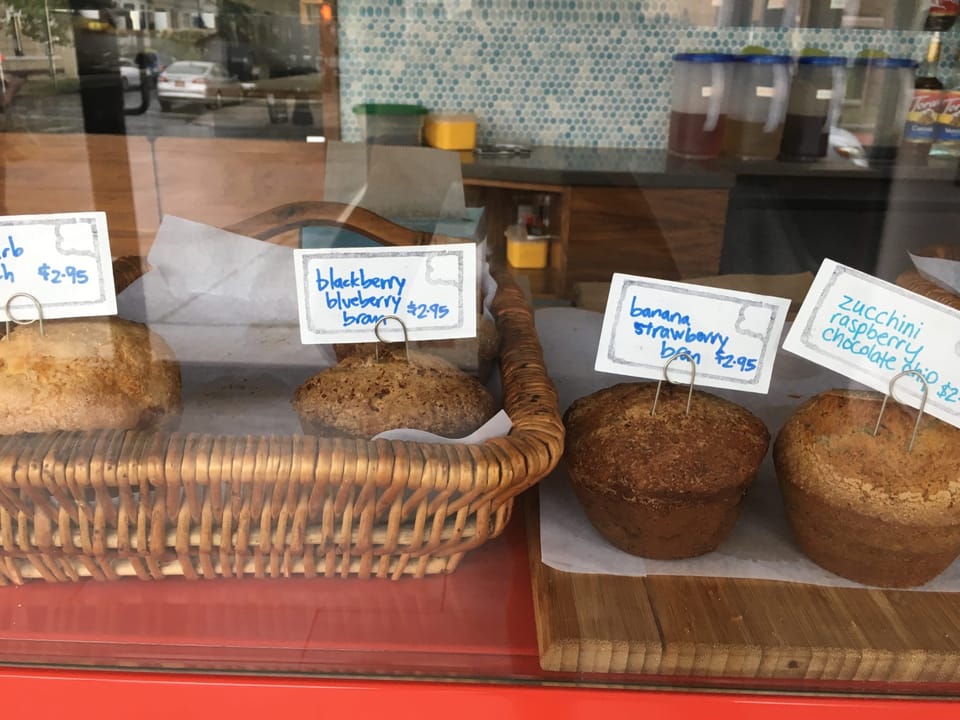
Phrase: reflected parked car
{"type": "Point", "coordinates": [130, 77]}
{"type": "Point", "coordinates": [187, 81]}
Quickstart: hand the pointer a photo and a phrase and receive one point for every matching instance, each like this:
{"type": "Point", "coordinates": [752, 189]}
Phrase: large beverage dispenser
{"type": "Point", "coordinates": [757, 106]}
{"type": "Point", "coordinates": [816, 98]}
{"type": "Point", "coordinates": [697, 107]}
{"type": "Point", "coordinates": [879, 92]}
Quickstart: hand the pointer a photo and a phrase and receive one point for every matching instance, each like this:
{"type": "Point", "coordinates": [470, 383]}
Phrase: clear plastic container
{"type": "Point", "coordinates": [390, 123]}
{"type": "Point", "coordinates": [757, 106]}
{"type": "Point", "coordinates": [879, 92]}
{"type": "Point", "coordinates": [816, 97]}
{"type": "Point", "coordinates": [697, 117]}
{"type": "Point", "coordinates": [757, 13]}
{"type": "Point", "coordinates": [827, 13]}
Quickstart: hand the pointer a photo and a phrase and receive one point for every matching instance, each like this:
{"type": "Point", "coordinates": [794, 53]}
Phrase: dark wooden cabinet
{"type": "Point", "coordinates": [667, 233]}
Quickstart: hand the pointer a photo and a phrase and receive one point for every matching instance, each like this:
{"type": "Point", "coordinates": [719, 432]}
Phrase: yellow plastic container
{"type": "Point", "coordinates": [451, 131]}
{"type": "Point", "coordinates": [524, 251]}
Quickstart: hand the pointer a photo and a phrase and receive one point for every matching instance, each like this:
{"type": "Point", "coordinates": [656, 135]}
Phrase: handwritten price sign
{"type": "Point", "coordinates": [731, 336]}
{"type": "Point", "coordinates": [344, 293]}
{"type": "Point", "coordinates": [870, 330]}
{"type": "Point", "coordinates": [61, 260]}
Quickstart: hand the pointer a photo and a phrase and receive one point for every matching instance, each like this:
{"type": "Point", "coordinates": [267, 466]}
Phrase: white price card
{"type": "Point", "coordinates": [870, 330]}
{"type": "Point", "coordinates": [732, 336]}
{"type": "Point", "coordinates": [343, 293]}
{"type": "Point", "coordinates": [62, 261]}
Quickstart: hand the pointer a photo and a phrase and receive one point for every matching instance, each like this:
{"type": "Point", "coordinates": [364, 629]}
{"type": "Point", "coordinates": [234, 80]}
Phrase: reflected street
{"type": "Point", "coordinates": [249, 117]}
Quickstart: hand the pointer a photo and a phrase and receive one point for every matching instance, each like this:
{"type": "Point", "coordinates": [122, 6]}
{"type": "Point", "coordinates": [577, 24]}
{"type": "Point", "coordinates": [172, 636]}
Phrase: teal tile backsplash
{"type": "Point", "coordinates": [589, 73]}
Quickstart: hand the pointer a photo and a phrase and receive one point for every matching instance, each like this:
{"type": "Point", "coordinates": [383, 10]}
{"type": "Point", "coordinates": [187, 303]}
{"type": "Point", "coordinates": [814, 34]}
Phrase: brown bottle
{"type": "Point", "coordinates": [941, 15]}
{"type": "Point", "coordinates": [918, 133]}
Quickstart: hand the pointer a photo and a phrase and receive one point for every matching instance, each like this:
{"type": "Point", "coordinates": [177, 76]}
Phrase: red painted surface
{"type": "Point", "coordinates": [474, 625]}
{"type": "Point", "coordinates": [476, 622]}
{"type": "Point", "coordinates": [101, 696]}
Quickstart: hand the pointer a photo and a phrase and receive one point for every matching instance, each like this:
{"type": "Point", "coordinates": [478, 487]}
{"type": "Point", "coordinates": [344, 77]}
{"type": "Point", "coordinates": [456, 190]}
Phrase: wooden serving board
{"type": "Point", "coordinates": [729, 628]}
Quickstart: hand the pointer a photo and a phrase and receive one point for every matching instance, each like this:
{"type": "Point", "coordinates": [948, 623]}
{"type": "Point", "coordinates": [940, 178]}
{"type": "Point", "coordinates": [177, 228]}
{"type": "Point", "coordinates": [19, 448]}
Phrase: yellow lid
{"type": "Point", "coordinates": [451, 131]}
{"type": "Point", "coordinates": [526, 251]}
{"type": "Point", "coordinates": [451, 117]}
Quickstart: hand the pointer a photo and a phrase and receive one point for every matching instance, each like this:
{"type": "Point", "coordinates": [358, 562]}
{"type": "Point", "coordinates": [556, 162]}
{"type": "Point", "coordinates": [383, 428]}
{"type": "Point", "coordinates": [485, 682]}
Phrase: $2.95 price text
{"type": "Point", "coordinates": [11, 252]}
{"type": "Point", "coordinates": [422, 311]}
{"type": "Point", "coordinates": [68, 275]}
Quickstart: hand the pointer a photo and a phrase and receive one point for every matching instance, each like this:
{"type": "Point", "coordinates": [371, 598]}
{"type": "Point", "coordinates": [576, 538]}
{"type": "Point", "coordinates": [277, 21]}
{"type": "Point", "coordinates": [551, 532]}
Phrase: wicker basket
{"type": "Point", "coordinates": [912, 280]}
{"type": "Point", "coordinates": [111, 504]}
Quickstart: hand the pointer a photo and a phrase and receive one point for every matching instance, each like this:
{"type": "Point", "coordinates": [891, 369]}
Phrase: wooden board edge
{"type": "Point", "coordinates": [551, 655]}
{"type": "Point", "coordinates": [565, 652]}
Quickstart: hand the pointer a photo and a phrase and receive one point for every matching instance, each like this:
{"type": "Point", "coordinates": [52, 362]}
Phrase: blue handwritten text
{"type": "Point", "coordinates": [885, 337]}
{"type": "Point", "coordinates": [673, 317]}
{"type": "Point", "coordinates": [11, 249]}
{"type": "Point", "coordinates": [422, 311]}
{"type": "Point", "coordinates": [69, 275]}
{"type": "Point", "coordinates": [686, 335]}
{"type": "Point", "coordinates": [358, 291]}
{"type": "Point", "coordinates": [949, 393]}
{"type": "Point", "coordinates": [359, 279]}
{"type": "Point", "coordinates": [668, 352]}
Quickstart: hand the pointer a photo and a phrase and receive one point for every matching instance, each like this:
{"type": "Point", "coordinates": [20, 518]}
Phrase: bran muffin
{"type": "Point", "coordinates": [361, 397]}
{"type": "Point", "coordinates": [474, 355]}
{"type": "Point", "coordinates": [663, 486]}
{"type": "Point", "coordinates": [87, 374]}
{"type": "Point", "coordinates": [862, 506]}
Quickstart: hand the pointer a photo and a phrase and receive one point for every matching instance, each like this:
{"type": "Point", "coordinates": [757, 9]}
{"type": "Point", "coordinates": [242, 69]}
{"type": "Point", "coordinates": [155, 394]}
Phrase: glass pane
{"type": "Point", "coordinates": [556, 199]}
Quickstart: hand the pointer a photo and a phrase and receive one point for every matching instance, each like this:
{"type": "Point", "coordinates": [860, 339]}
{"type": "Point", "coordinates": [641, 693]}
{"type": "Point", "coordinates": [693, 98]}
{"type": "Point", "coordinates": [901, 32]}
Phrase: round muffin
{"type": "Point", "coordinates": [663, 486]}
{"type": "Point", "coordinates": [87, 374]}
{"type": "Point", "coordinates": [862, 506]}
{"type": "Point", "coordinates": [361, 397]}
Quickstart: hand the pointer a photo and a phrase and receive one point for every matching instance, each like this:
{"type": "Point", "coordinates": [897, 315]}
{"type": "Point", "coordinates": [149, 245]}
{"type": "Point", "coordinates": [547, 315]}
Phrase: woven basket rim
{"type": "Point", "coordinates": [532, 448]}
{"type": "Point", "coordinates": [113, 503]}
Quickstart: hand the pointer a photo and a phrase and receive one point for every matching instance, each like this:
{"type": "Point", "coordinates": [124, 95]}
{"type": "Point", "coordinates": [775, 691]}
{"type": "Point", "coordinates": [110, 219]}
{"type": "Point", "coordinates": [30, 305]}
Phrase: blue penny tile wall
{"type": "Point", "coordinates": [587, 73]}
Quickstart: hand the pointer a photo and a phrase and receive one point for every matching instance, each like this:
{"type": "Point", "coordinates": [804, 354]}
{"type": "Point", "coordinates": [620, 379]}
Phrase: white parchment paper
{"type": "Point", "coordinates": [226, 304]}
{"type": "Point", "coordinates": [760, 546]}
{"type": "Point", "coordinates": [945, 274]}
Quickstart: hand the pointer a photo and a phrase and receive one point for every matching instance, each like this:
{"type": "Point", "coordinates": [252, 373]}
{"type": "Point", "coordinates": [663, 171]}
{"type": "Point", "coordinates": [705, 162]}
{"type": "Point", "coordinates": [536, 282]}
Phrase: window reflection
{"type": "Point", "coordinates": [105, 68]}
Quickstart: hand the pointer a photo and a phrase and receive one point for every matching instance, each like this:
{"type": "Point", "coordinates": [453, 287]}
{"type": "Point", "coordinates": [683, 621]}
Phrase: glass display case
{"type": "Point", "coordinates": [292, 390]}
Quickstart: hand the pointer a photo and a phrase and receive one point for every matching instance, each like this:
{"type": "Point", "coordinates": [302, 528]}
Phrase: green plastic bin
{"type": "Point", "coordinates": [391, 123]}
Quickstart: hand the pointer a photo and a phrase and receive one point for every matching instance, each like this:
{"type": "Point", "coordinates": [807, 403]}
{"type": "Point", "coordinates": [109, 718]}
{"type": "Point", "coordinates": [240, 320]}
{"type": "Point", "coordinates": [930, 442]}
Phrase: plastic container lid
{"type": "Point", "coordinates": [442, 116]}
{"type": "Point", "coordinates": [886, 62]}
{"type": "Point", "coordinates": [703, 57]}
{"type": "Point", "coordinates": [764, 59]}
{"type": "Point", "coordinates": [451, 130]}
{"type": "Point", "coordinates": [822, 60]}
{"type": "Point", "coordinates": [389, 109]}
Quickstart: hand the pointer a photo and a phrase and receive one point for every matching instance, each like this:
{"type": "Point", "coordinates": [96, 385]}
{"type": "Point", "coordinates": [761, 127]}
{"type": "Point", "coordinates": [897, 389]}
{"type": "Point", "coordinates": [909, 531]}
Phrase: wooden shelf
{"type": "Point", "coordinates": [600, 231]}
